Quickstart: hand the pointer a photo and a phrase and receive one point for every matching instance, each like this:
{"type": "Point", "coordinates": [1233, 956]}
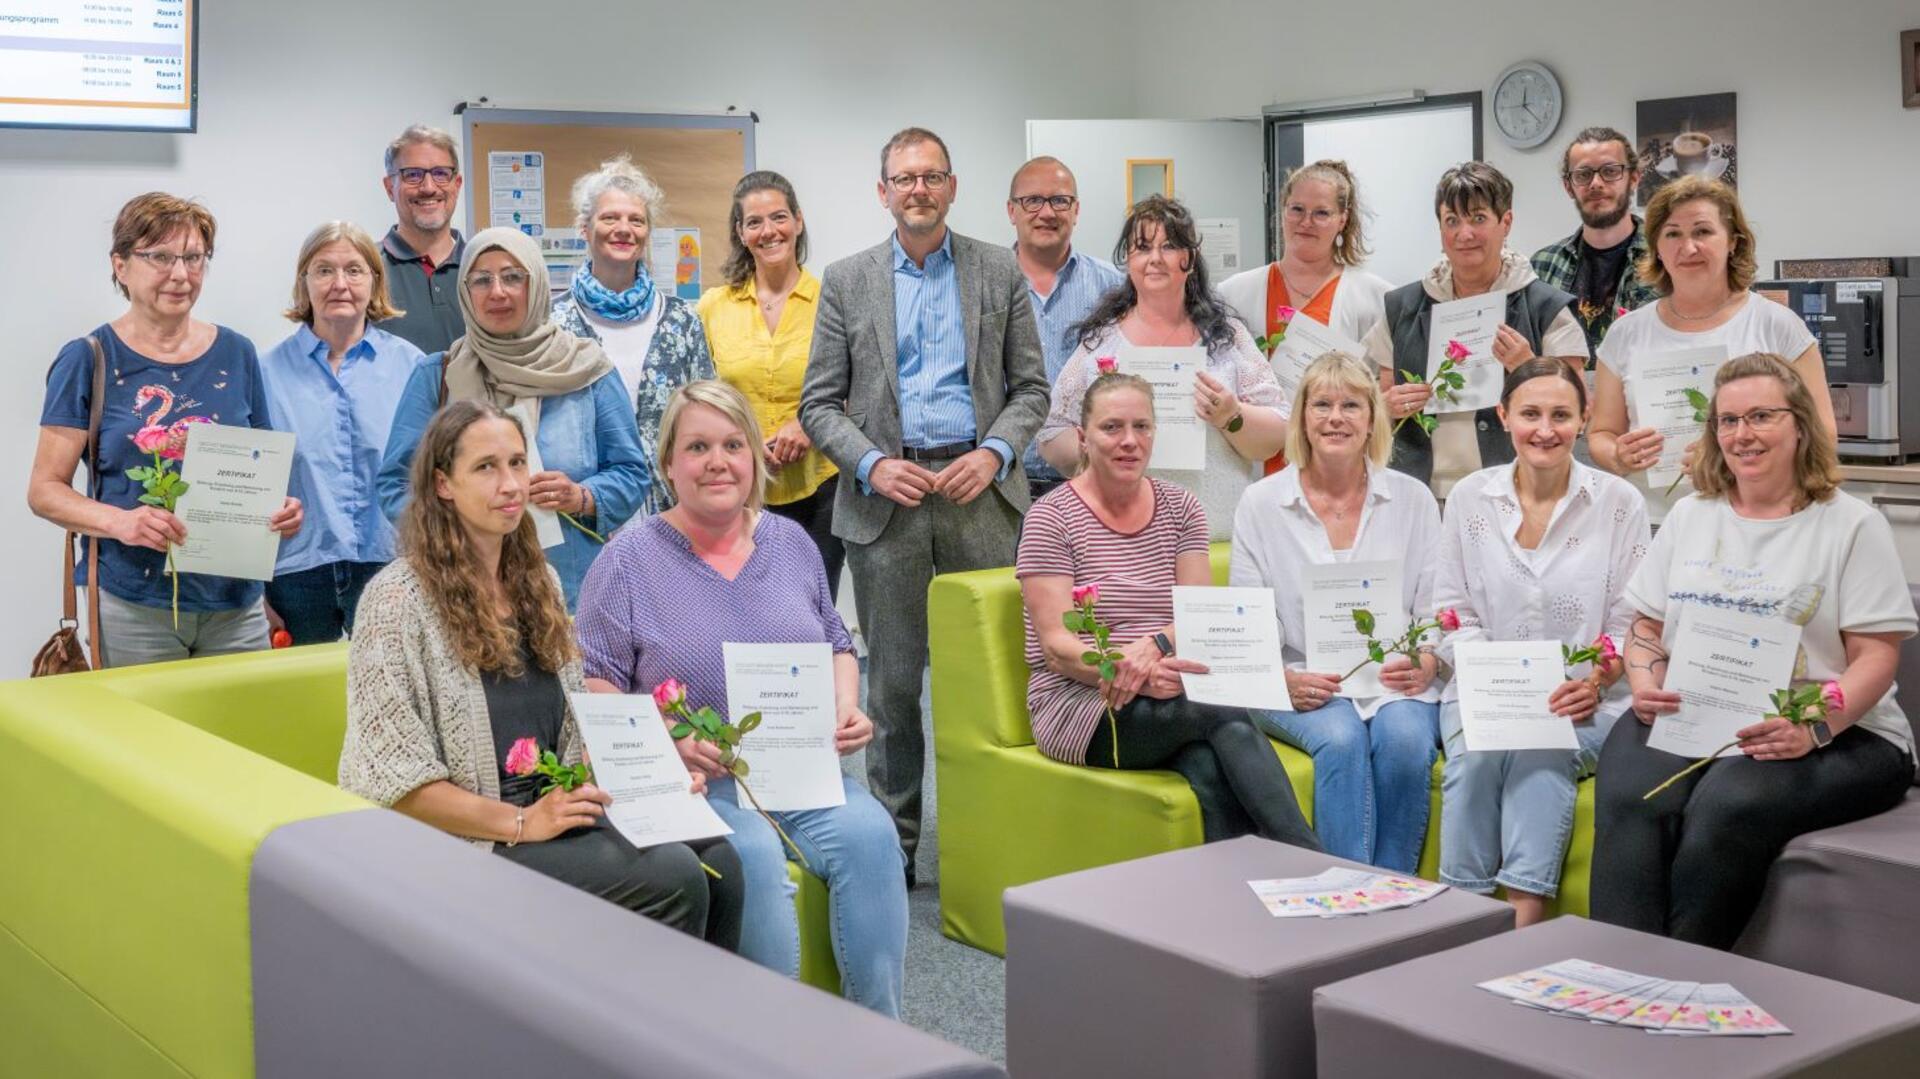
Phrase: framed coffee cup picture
{"type": "Point", "coordinates": [1685, 136]}
{"type": "Point", "coordinates": [1910, 69]}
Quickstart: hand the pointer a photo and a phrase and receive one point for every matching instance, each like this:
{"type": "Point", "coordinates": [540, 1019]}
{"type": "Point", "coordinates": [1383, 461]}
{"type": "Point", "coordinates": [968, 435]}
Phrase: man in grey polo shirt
{"type": "Point", "coordinates": [423, 249]}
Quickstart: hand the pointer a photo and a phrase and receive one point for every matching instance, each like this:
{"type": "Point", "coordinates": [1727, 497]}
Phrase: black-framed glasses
{"type": "Point", "coordinates": [1032, 203]}
{"type": "Point", "coordinates": [511, 280]}
{"type": "Point", "coordinates": [164, 261]}
{"type": "Point", "coordinates": [905, 182]}
{"type": "Point", "coordinates": [1760, 419]}
{"type": "Point", "coordinates": [439, 174]}
{"type": "Point", "coordinates": [1584, 176]}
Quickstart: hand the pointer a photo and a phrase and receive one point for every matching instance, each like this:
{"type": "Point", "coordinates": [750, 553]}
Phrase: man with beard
{"type": "Point", "coordinates": [423, 249]}
{"type": "Point", "coordinates": [1063, 284]}
{"type": "Point", "coordinates": [1600, 173]}
{"type": "Point", "coordinates": [925, 384]}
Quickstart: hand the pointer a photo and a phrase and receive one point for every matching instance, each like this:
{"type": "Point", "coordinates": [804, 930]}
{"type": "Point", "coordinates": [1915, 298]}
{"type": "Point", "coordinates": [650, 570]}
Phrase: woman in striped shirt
{"type": "Point", "coordinates": [1136, 537]}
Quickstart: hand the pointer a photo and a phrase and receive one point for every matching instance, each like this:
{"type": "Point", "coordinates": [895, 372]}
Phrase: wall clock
{"type": "Point", "coordinates": [1526, 104]}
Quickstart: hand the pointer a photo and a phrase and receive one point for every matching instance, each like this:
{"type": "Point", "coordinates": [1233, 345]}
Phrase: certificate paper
{"type": "Point", "coordinates": [634, 760]}
{"type": "Point", "coordinates": [1725, 665]}
{"type": "Point", "coordinates": [1504, 688]}
{"type": "Point", "coordinates": [1180, 438]}
{"type": "Point", "coordinates": [791, 751]}
{"type": "Point", "coordinates": [546, 523]}
{"type": "Point", "coordinates": [1235, 633]}
{"type": "Point", "coordinates": [1659, 386]}
{"type": "Point", "coordinates": [1472, 322]}
{"type": "Point", "coordinates": [236, 479]}
{"type": "Point", "coordinates": [1329, 595]}
{"type": "Point", "coordinates": [1306, 340]}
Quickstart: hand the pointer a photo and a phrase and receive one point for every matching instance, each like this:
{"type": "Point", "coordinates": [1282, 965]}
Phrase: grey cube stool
{"type": "Point", "coordinates": [1170, 965]}
{"type": "Point", "coordinates": [1425, 1017]}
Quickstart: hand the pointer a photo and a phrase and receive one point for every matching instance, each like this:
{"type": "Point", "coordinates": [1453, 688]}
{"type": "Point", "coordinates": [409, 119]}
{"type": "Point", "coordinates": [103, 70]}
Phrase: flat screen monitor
{"type": "Point", "coordinates": [121, 65]}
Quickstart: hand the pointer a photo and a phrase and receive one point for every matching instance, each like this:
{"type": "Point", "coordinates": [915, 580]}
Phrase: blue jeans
{"type": "Point", "coordinates": [1506, 815]}
{"type": "Point", "coordinates": [318, 604]}
{"type": "Point", "coordinates": [855, 849]}
{"type": "Point", "coordinates": [1371, 778]}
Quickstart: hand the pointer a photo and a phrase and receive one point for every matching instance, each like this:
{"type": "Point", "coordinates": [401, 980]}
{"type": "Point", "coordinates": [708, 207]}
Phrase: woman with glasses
{"type": "Point", "coordinates": [1322, 243]}
{"type": "Point", "coordinates": [653, 337]}
{"type": "Point", "coordinates": [1373, 738]}
{"type": "Point", "coordinates": [1768, 533]}
{"type": "Point", "coordinates": [1701, 261]}
{"type": "Point", "coordinates": [592, 474]}
{"type": "Point", "coordinates": [335, 384]}
{"type": "Point", "coordinates": [160, 370]}
{"type": "Point", "coordinates": [1167, 302]}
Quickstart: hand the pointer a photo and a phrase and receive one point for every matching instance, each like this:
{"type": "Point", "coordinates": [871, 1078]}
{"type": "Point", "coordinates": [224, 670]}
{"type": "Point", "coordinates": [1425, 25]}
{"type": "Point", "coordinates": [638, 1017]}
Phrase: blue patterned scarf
{"type": "Point", "coordinates": [631, 305]}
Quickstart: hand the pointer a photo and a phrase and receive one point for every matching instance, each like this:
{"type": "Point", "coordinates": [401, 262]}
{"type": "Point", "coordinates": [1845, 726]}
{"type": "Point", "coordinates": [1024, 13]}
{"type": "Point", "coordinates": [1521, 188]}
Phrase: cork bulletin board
{"type": "Point", "coordinates": [694, 158]}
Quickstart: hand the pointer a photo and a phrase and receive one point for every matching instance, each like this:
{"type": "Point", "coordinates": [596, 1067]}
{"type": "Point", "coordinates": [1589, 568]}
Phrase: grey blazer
{"type": "Point", "coordinates": [850, 402]}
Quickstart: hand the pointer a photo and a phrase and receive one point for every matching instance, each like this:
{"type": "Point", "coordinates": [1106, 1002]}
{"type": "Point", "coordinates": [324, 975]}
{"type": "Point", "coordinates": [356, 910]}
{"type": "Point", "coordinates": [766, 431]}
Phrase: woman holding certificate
{"type": "Point", "coordinates": [1701, 260]}
{"type": "Point", "coordinates": [1337, 517]}
{"type": "Point", "coordinates": [664, 601]}
{"type": "Point", "coordinates": [1540, 549]}
{"type": "Point", "coordinates": [1131, 539]}
{"type": "Point", "coordinates": [1768, 550]}
{"type": "Point", "coordinates": [462, 649]}
{"type": "Point", "coordinates": [1166, 324]}
{"type": "Point", "coordinates": [150, 374]}
{"type": "Point", "coordinates": [566, 391]}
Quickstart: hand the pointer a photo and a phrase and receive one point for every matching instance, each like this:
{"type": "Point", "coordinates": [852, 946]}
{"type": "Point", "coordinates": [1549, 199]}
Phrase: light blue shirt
{"type": "Point", "coordinates": [340, 423]}
{"type": "Point", "coordinates": [930, 344]}
{"type": "Point", "coordinates": [1076, 289]}
{"type": "Point", "coordinates": [589, 434]}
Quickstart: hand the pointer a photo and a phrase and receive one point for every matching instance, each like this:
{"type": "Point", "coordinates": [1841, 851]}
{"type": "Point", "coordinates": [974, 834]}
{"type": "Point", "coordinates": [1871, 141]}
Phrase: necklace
{"type": "Point", "coordinates": [1324, 504]}
{"type": "Point", "coordinates": [1177, 335]}
{"type": "Point", "coordinates": [1674, 309]}
{"type": "Point", "coordinates": [1309, 293]}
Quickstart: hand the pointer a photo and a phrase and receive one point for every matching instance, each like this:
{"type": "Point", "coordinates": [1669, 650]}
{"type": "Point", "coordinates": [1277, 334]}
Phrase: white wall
{"type": "Point", "coordinates": [1827, 155]}
{"type": "Point", "coordinates": [1400, 154]}
{"type": "Point", "coordinates": [297, 102]}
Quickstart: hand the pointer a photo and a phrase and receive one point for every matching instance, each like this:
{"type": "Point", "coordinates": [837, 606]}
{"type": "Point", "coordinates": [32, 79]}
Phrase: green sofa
{"type": "Point", "coordinates": [1009, 815]}
{"type": "Point", "coordinates": [139, 797]}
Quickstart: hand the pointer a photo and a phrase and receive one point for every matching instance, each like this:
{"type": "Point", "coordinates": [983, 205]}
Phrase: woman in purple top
{"type": "Point", "coordinates": [660, 601]}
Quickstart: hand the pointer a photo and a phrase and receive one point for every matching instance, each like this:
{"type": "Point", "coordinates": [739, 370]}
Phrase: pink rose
{"type": "Point", "coordinates": [1107, 365]}
{"type": "Point", "coordinates": [1619, 312]}
{"type": "Point", "coordinates": [523, 758]}
{"type": "Point", "coordinates": [670, 694]}
{"type": "Point", "coordinates": [1831, 695]}
{"type": "Point", "coordinates": [150, 439]}
{"type": "Point", "coordinates": [1608, 653]}
{"type": "Point", "coordinates": [1456, 351]}
{"type": "Point", "coordinates": [1284, 314]}
{"type": "Point", "coordinates": [1449, 620]}
{"type": "Point", "coordinates": [1085, 595]}
{"type": "Point", "coordinates": [177, 437]}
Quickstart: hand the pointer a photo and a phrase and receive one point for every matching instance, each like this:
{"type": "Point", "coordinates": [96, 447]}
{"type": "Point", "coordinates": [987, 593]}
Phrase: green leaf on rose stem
{"type": "Point", "coordinates": [152, 500]}
{"type": "Point", "coordinates": [681, 730]}
{"type": "Point", "coordinates": [1411, 377]}
{"type": "Point", "coordinates": [1376, 652]}
{"type": "Point", "coordinates": [730, 736]}
{"type": "Point", "coordinates": [748, 722]}
{"type": "Point", "coordinates": [1363, 621]}
{"type": "Point", "coordinates": [1072, 620]}
{"type": "Point", "coordinates": [738, 768]}
{"type": "Point", "coordinates": [1108, 671]}
{"type": "Point", "coordinates": [1090, 657]}
{"type": "Point", "coordinates": [1427, 423]}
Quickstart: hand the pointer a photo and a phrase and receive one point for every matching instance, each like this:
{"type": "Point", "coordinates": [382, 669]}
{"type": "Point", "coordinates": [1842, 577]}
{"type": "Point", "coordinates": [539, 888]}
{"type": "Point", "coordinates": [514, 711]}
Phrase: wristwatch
{"type": "Point", "coordinates": [1165, 646]}
{"type": "Point", "coordinates": [1238, 421]}
{"type": "Point", "coordinates": [1822, 734]}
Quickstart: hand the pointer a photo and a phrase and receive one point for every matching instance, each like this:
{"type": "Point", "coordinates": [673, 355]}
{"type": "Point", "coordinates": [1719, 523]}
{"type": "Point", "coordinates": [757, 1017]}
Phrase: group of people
{"type": "Point", "coordinates": [692, 456]}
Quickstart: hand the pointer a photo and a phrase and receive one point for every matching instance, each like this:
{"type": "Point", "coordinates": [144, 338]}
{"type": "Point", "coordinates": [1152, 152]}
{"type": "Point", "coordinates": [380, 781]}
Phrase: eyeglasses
{"type": "Point", "coordinates": [511, 280]}
{"type": "Point", "coordinates": [1760, 419]}
{"type": "Point", "coordinates": [1032, 203]}
{"type": "Point", "coordinates": [163, 261]}
{"type": "Point", "coordinates": [1584, 177]}
{"type": "Point", "coordinates": [936, 180]}
{"type": "Point", "coordinates": [1349, 410]}
{"type": "Point", "coordinates": [324, 275]}
{"type": "Point", "coordinates": [440, 174]}
{"type": "Point", "coordinates": [1297, 213]}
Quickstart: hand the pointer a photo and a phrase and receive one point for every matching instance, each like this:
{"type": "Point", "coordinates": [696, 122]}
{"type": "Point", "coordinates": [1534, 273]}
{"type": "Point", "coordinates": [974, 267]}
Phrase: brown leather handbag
{"type": "Point", "coordinates": [63, 653]}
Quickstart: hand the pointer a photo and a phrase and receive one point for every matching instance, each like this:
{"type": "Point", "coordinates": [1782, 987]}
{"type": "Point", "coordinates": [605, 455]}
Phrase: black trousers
{"type": "Point", "coordinates": [815, 514]}
{"type": "Point", "coordinates": [1240, 784]}
{"type": "Point", "coordinates": [664, 883]}
{"type": "Point", "coordinates": [1690, 863]}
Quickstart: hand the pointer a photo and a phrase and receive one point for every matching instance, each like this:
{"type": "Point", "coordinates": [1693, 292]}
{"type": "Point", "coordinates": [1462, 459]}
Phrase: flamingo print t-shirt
{"type": "Point", "coordinates": [221, 385]}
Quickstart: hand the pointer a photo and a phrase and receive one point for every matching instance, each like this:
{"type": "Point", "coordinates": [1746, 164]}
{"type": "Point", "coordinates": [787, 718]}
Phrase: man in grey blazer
{"type": "Point", "coordinates": [925, 384]}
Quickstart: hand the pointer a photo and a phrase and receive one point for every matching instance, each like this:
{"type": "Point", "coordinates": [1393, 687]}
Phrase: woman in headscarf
{"type": "Point", "coordinates": [590, 469]}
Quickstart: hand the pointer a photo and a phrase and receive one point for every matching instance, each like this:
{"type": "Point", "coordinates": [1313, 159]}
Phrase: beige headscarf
{"type": "Point", "coordinates": [538, 360]}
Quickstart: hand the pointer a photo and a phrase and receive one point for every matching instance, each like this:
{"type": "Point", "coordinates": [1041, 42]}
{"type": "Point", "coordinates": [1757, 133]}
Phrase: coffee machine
{"type": "Point", "coordinates": [1865, 315]}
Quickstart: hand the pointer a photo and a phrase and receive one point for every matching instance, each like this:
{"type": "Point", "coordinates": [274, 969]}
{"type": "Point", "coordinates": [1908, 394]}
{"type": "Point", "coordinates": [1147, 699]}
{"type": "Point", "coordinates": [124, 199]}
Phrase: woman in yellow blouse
{"type": "Point", "coordinates": [760, 330]}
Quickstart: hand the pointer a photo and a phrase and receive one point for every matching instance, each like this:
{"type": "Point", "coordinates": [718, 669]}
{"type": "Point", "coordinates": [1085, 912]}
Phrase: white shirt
{"type": "Point", "coordinates": [1570, 588]}
{"type": "Point", "coordinates": [1759, 326]}
{"type": "Point", "coordinates": [1275, 531]}
{"type": "Point", "coordinates": [1359, 301]}
{"type": "Point", "coordinates": [1830, 568]}
{"type": "Point", "coordinates": [626, 343]}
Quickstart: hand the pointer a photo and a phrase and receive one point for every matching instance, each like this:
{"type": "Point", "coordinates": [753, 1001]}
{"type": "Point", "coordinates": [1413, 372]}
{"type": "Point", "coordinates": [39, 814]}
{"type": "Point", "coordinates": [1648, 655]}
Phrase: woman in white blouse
{"type": "Point", "coordinates": [1372, 736]}
{"type": "Point", "coordinates": [1537, 550]}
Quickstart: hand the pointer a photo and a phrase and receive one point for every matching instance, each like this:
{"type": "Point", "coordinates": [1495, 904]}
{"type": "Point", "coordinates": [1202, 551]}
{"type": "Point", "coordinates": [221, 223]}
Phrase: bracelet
{"type": "Point", "coordinates": [519, 825]}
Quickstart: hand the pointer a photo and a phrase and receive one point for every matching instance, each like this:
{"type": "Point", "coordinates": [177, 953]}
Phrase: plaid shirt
{"type": "Point", "coordinates": [1559, 265]}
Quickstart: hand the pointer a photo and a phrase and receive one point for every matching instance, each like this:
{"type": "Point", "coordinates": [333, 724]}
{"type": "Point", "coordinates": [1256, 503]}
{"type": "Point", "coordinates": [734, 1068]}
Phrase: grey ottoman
{"type": "Point", "coordinates": [1425, 1017]}
{"type": "Point", "coordinates": [1169, 965]}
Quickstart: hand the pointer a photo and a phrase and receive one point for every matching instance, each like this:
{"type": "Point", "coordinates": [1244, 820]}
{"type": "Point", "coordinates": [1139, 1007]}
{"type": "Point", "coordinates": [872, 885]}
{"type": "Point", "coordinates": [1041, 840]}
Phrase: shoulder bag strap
{"type": "Point", "coordinates": [94, 413]}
